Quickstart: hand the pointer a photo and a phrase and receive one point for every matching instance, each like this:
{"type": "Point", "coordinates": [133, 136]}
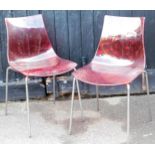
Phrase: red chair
{"type": "Point", "coordinates": [119, 58]}
{"type": "Point", "coordinates": [30, 53]}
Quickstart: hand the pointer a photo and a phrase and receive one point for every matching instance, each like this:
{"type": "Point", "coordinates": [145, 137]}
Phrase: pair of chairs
{"type": "Point", "coordinates": [119, 58]}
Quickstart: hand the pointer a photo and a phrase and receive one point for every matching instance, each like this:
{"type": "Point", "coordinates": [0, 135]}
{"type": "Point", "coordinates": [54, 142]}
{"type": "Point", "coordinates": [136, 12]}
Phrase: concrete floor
{"type": "Point", "coordinates": [50, 122]}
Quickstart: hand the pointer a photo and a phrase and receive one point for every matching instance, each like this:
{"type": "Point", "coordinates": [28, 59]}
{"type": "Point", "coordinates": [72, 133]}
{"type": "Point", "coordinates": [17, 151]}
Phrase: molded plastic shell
{"type": "Point", "coordinates": [120, 56]}
{"type": "Point", "coordinates": [29, 50]}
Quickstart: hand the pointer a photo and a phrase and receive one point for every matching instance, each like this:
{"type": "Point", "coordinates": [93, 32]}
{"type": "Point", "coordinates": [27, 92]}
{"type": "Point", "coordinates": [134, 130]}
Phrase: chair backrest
{"type": "Point", "coordinates": [27, 37]}
{"type": "Point", "coordinates": [122, 41]}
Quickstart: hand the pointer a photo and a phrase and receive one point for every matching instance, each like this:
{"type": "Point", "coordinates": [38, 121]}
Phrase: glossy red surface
{"type": "Point", "coordinates": [29, 49]}
{"type": "Point", "coordinates": [120, 56]}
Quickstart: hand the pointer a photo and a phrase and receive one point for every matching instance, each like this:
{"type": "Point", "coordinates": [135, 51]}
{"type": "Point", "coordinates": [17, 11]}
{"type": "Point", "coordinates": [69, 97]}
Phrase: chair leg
{"type": "Point", "coordinates": [78, 90]}
{"type": "Point", "coordinates": [148, 93]}
{"type": "Point", "coordinates": [147, 83]}
{"type": "Point", "coordinates": [128, 110]}
{"type": "Point", "coordinates": [72, 105]}
{"type": "Point", "coordinates": [143, 81]}
{"type": "Point", "coordinates": [54, 89]}
{"type": "Point", "coordinates": [6, 90]}
{"type": "Point", "coordinates": [97, 97]}
{"type": "Point", "coordinates": [28, 106]}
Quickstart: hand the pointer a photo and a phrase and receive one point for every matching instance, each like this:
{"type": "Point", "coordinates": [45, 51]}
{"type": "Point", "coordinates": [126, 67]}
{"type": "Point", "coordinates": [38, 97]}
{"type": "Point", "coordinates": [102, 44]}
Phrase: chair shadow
{"type": "Point", "coordinates": [113, 110]}
{"type": "Point", "coordinates": [139, 110]}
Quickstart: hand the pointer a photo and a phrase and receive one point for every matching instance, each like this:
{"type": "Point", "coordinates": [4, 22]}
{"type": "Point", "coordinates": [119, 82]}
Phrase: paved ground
{"type": "Point", "coordinates": [50, 122]}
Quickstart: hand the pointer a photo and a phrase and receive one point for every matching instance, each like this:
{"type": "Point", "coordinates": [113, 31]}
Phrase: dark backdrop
{"type": "Point", "coordinates": [74, 35]}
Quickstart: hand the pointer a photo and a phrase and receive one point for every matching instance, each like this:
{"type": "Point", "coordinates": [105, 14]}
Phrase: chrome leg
{"type": "Point", "coordinates": [128, 110]}
{"type": "Point", "coordinates": [148, 93]}
{"type": "Point", "coordinates": [143, 81]}
{"type": "Point", "coordinates": [25, 106]}
{"type": "Point", "coordinates": [72, 105]}
{"type": "Point", "coordinates": [6, 90]}
{"type": "Point", "coordinates": [97, 97]}
{"type": "Point", "coordinates": [147, 83]}
{"type": "Point", "coordinates": [54, 89]}
{"type": "Point", "coordinates": [78, 90]}
{"type": "Point", "coordinates": [28, 106]}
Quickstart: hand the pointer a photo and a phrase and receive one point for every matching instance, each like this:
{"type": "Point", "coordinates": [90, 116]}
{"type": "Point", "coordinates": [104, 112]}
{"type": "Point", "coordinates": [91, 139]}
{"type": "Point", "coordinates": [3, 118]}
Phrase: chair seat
{"type": "Point", "coordinates": [107, 75]}
{"type": "Point", "coordinates": [44, 67]}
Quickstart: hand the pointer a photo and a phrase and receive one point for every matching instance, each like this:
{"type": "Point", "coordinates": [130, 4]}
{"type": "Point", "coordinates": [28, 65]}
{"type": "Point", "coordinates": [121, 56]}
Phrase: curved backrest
{"type": "Point", "coordinates": [27, 37]}
{"type": "Point", "coordinates": [122, 41]}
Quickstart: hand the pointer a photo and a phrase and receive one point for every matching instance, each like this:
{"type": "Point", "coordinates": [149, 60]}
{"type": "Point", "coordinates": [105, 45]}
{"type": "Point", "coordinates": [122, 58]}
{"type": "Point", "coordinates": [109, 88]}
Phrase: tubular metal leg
{"type": "Point", "coordinates": [143, 81]}
{"type": "Point", "coordinates": [28, 106]}
{"type": "Point", "coordinates": [148, 93]}
{"type": "Point", "coordinates": [72, 105]}
{"type": "Point", "coordinates": [128, 110]}
{"type": "Point", "coordinates": [6, 90]}
{"type": "Point", "coordinates": [54, 89]}
{"type": "Point", "coordinates": [147, 83]}
{"type": "Point", "coordinates": [97, 97]}
{"type": "Point", "coordinates": [78, 90]}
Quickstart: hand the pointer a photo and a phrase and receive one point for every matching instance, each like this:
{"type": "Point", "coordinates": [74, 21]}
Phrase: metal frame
{"type": "Point", "coordinates": [27, 99]}
{"type": "Point", "coordinates": [144, 77]}
{"type": "Point", "coordinates": [145, 84]}
{"type": "Point", "coordinates": [72, 103]}
{"type": "Point", "coordinates": [27, 105]}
